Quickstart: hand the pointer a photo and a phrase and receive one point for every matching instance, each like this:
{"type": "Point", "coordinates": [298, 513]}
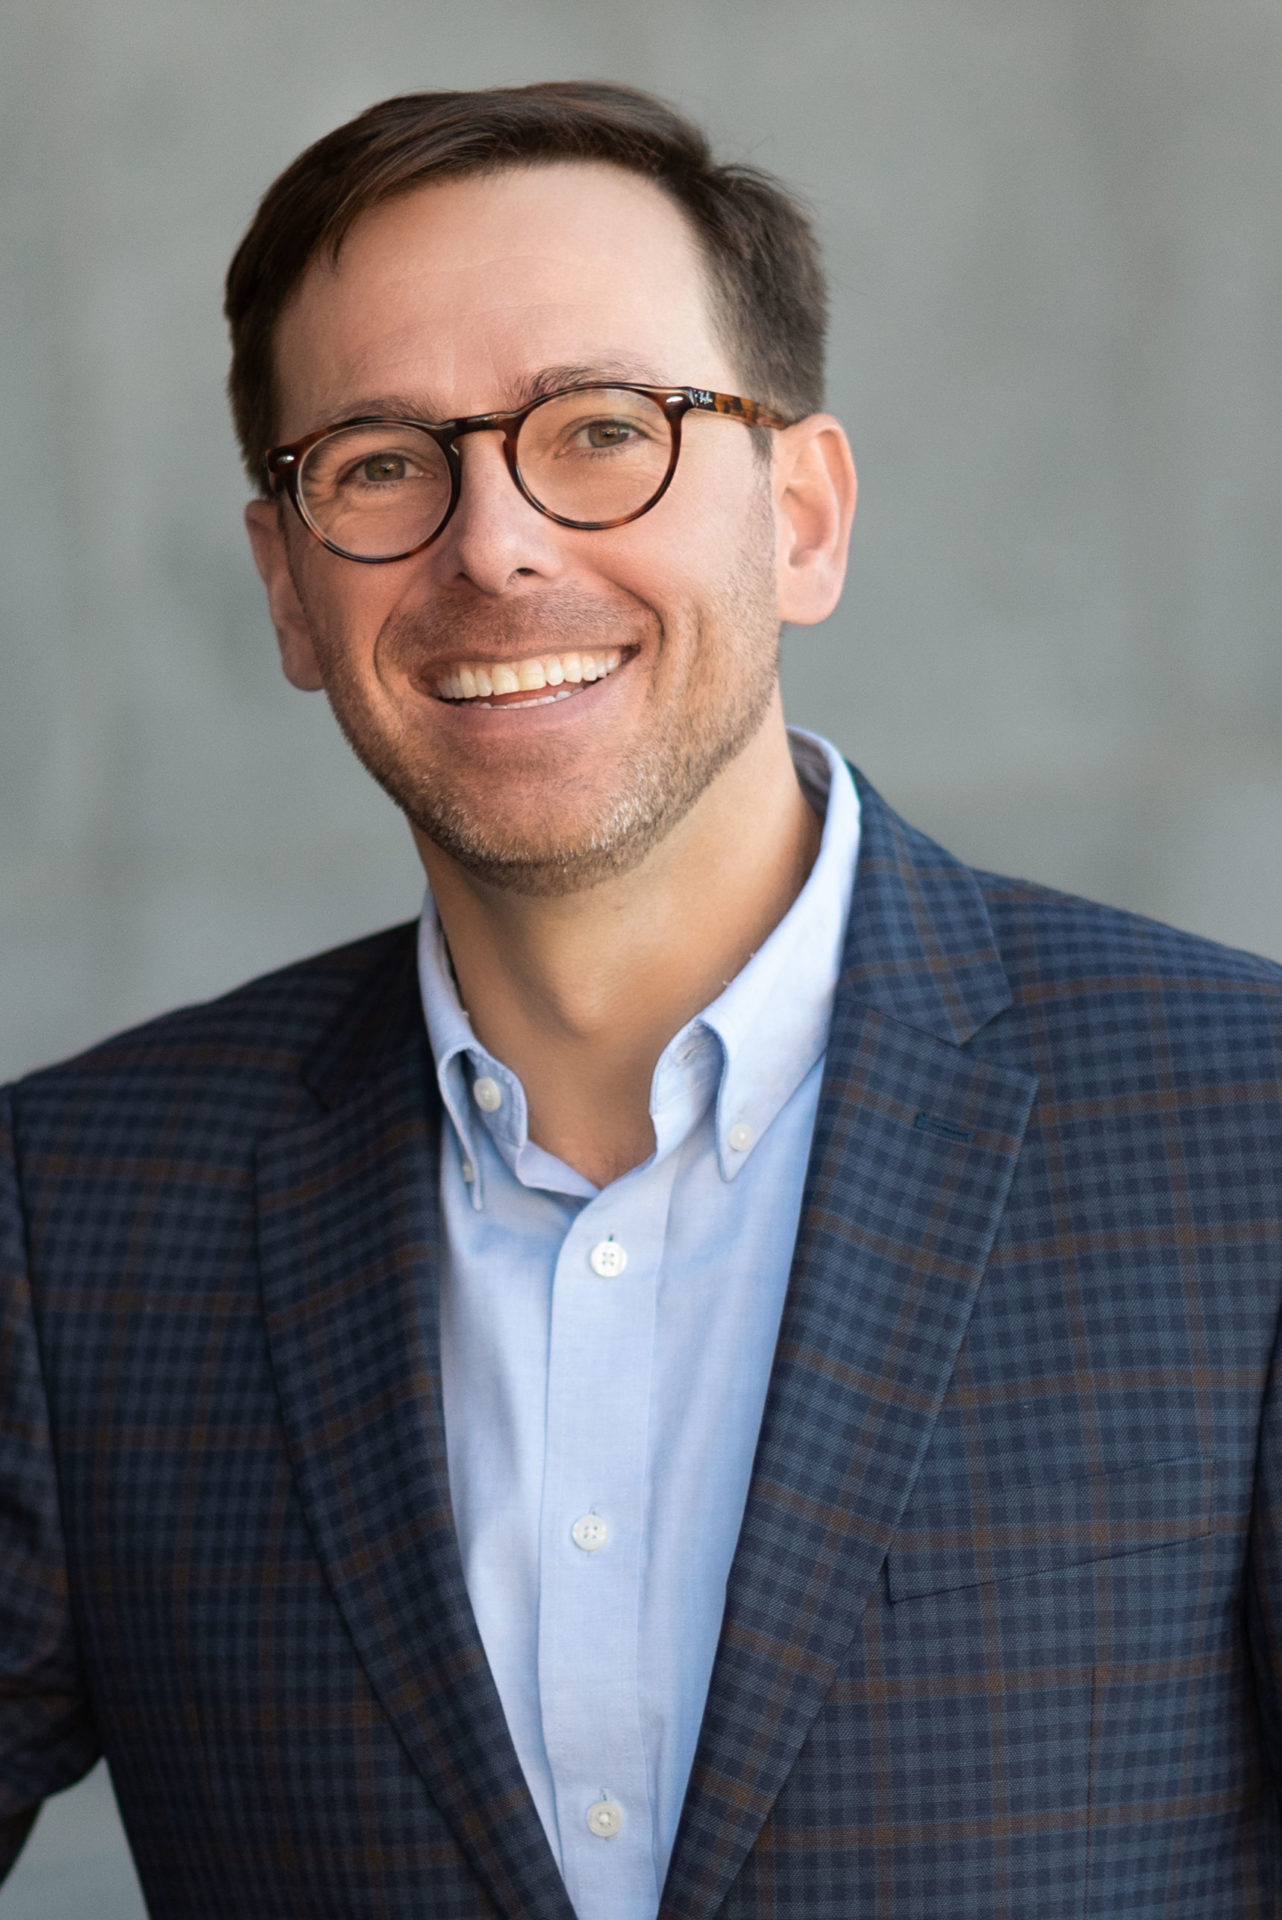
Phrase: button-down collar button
{"type": "Point", "coordinates": [590, 1533]}
{"type": "Point", "coordinates": [487, 1094]}
{"type": "Point", "coordinates": [741, 1136]}
{"type": "Point", "coordinates": [468, 1171]}
{"type": "Point", "coordinates": [608, 1259]}
{"type": "Point", "coordinates": [605, 1817]}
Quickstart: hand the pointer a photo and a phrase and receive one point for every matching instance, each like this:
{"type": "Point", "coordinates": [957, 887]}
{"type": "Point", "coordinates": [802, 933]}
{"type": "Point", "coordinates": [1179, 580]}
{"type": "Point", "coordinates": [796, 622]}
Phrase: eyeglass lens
{"type": "Point", "coordinates": [595, 455]}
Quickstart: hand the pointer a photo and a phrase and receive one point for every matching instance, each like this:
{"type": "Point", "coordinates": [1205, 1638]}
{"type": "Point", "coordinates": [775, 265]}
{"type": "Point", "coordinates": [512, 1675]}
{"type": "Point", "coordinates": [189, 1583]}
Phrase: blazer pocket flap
{"type": "Point", "coordinates": [1062, 1523]}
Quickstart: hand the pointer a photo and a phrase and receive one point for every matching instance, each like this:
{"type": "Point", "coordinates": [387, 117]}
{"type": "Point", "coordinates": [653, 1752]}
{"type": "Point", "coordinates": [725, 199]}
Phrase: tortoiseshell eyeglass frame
{"type": "Point", "coordinates": [285, 463]}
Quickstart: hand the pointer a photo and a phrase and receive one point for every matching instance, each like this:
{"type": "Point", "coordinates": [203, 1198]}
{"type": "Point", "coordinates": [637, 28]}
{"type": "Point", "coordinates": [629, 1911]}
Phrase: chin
{"type": "Point", "coordinates": [521, 856]}
{"type": "Point", "coordinates": [536, 866]}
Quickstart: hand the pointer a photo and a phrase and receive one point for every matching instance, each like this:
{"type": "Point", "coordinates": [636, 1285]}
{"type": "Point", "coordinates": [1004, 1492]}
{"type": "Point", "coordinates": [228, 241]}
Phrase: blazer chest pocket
{"type": "Point", "coordinates": [1060, 1523]}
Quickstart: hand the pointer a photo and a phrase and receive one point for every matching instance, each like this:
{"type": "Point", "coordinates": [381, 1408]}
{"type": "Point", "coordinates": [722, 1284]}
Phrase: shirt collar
{"type": "Point", "coordinates": [772, 1021]}
{"type": "Point", "coordinates": [753, 1045]}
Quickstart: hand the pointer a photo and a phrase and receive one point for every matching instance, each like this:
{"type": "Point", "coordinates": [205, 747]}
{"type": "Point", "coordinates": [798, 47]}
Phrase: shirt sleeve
{"type": "Point", "coordinates": [47, 1735]}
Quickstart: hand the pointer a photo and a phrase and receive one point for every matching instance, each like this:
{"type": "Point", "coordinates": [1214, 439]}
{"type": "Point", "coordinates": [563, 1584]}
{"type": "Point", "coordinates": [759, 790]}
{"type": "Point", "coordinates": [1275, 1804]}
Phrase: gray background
{"type": "Point", "coordinates": [1052, 227]}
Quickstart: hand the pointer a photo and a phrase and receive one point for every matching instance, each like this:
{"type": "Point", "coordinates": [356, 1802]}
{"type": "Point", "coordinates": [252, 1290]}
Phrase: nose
{"type": "Point", "coordinates": [494, 536]}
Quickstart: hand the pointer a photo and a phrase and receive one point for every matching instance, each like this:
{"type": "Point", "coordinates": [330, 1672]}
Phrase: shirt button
{"type": "Point", "coordinates": [741, 1136]}
{"type": "Point", "coordinates": [608, 1259]}
{"type": "Point", "coordinates": [590, 1533]}
{"type": "Point", "coordinates": [487, 1094]}
{"type": "Point", "coordinates": [468, 1171]}
{"type": "Point", "coordinates": [605, 1817]}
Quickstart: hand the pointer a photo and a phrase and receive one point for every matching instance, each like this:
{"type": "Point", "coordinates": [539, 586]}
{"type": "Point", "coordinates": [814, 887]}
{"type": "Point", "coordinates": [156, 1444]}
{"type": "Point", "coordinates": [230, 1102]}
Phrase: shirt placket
{"type": "Point", "coordinates": [592, 1544]}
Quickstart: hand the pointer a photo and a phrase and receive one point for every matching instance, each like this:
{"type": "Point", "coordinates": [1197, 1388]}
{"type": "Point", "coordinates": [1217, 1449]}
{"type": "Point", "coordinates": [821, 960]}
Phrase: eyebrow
{"type": "Point", "coordinates": [533, 386]}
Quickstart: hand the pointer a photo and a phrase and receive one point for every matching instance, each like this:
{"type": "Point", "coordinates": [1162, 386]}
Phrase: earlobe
{"type": "Point", "coordinates": [815, 492]}
{"type": "Point", "coordinates": [293, 631]}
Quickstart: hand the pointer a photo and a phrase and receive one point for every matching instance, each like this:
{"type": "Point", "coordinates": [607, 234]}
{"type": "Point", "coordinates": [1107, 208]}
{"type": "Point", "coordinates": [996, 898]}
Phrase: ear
{"type": "Point", "coordinates": [263, 523]}
{"type": "Point", "coordinates": [814, 489]}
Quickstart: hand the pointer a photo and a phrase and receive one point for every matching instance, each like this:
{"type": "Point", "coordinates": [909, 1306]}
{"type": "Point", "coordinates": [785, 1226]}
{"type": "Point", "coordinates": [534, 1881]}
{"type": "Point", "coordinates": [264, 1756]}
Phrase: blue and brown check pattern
{"type": "Point", "coordinates": [1002, 1633]}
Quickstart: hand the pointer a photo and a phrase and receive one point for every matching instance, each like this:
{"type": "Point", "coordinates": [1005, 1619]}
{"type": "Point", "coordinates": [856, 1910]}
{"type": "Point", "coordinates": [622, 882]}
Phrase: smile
{"type": "Point", "coordinates": [527, 683]}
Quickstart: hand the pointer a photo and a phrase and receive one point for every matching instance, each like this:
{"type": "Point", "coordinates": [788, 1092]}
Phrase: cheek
{"type": "Point", "coordinates": [721, 555]}
{"type": "Point", "coordinates": [692, 553]}
{"type": "Point", "coordinates": [347, 608]}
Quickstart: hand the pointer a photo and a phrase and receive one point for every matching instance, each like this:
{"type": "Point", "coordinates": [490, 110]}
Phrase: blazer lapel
{"type": "Point", "coordinates": [914, 1150]}
{"type": "Point", "coordinates": [348, 1239]}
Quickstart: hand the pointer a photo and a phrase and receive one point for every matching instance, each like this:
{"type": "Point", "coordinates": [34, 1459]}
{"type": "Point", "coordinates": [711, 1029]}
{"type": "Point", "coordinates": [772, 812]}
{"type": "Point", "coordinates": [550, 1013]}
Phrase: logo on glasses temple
{"type": "Point", "coordinates": [702, 396]}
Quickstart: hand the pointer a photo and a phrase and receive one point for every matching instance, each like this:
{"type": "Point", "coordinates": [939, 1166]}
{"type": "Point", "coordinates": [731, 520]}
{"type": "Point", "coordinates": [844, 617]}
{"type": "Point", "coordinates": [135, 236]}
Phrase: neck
{"type": "Point", "coordinates": [580, 994]}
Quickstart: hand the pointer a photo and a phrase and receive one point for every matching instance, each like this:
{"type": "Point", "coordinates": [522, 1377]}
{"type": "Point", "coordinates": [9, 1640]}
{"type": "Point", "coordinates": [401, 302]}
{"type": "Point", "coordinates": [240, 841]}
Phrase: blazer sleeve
{"type": "Point", "coordinates": [47, 1734]}
{"type": "Point", "coordinates": [1264, 1570]}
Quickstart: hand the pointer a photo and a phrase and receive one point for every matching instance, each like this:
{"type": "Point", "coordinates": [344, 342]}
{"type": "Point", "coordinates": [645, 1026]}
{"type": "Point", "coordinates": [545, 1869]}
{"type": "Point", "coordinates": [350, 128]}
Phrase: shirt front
{"type": "Point", "coordinates": [605, 1357]}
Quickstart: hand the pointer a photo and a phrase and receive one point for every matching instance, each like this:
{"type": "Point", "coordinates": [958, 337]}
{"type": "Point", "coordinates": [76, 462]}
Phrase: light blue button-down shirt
{"type": "Point", "coordinates": [605, 1356]}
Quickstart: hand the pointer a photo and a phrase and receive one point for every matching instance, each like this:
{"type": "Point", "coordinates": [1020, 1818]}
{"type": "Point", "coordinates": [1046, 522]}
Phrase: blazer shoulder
{"type": "Point", "coordinates": [962, 952]}
{"type": "Point", "coordinates": [264, 1030]}
{"type": "Point", "coordinates": [1108, 997]}
{"type": "Point", "coordinates": [1045, 935]}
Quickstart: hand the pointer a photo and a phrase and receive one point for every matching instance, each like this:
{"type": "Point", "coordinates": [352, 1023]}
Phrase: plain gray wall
{"type": "Point", "coordinates": [1052, 226]}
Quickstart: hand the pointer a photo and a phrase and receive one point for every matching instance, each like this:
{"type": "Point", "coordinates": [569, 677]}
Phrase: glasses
{"type": "Point", "coordinates": [376, 490]}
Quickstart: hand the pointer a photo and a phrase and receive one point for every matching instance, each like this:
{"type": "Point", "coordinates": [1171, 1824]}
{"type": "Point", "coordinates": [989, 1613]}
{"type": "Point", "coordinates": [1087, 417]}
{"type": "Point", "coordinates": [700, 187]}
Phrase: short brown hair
{"type": "Point", "coordinates": [766, 280]}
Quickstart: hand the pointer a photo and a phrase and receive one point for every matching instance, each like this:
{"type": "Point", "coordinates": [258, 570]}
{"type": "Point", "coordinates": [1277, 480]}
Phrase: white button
{"type": "Point", "coordinates": [741, 1136]}
{"type": "Point", "coordinates": [605, 1817]}
{"type": "Point", "coordinates": [590, 1533]}
{"type": "Point", "coordinates": [469, 1172]}
{"type": "Point", "coordinates": [608, 1259]}
{"type": "Point", "coordinates": [487, 1094]}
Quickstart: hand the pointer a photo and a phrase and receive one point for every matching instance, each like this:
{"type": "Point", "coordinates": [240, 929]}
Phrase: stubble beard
{"type": "Point", "coordinates": [733, 652]}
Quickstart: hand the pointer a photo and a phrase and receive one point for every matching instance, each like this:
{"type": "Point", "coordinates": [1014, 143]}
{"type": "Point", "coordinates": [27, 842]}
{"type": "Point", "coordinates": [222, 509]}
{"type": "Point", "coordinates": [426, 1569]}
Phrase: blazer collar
{"type": "Point", "coordinates": [381, 1020]}
{"type": "Point", "coordinates": [919, 943]}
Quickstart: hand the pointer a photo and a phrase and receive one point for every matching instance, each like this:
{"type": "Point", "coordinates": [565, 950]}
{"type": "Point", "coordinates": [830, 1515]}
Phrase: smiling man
{"type": "Point", "coordinates": [729, 1369]}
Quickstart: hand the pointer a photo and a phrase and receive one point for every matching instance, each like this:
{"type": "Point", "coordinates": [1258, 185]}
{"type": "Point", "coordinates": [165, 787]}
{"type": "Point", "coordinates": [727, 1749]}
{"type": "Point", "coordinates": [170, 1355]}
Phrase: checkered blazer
{"type": "Point", "coordinates": [1002, 1633]}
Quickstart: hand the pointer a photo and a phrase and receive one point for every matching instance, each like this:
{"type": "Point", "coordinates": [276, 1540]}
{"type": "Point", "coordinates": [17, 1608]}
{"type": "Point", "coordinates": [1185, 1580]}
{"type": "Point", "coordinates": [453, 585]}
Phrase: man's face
{"type": "Point", "coordinates": [468, 297]}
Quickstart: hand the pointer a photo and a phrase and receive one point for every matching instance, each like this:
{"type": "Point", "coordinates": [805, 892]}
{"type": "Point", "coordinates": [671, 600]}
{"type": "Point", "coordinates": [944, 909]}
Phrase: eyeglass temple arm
{"type": "Point", "coordinates": [278, 462]}
{"type": "Point", "coordinates": [749, 411]}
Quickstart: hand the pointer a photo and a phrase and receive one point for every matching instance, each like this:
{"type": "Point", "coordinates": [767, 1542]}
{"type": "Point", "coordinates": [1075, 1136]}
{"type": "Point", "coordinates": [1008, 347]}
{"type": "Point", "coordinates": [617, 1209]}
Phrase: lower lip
{"type": "Point", "coordinates": [506, 700]}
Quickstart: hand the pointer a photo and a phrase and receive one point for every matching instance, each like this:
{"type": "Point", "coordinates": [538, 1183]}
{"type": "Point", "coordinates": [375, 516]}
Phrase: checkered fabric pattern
{"type": "Point", "coordinates": [1002, 1636]}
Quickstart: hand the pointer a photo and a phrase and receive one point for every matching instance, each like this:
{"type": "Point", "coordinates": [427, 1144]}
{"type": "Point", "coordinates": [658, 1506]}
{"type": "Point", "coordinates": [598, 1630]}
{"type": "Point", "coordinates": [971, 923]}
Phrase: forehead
{"type": "Point", "coordinates": [456, 295]}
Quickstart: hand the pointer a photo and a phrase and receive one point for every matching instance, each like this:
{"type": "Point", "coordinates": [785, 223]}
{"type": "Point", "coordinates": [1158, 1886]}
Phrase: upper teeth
{"type": "Point", "coordinates": [526, 676]}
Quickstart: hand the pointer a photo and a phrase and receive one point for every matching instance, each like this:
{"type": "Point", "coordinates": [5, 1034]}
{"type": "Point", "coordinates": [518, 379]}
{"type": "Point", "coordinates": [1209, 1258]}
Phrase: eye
{"type": "Point", "coordinates": [382, 467]}
{"type": "Point", "coordinates": [609, 433]}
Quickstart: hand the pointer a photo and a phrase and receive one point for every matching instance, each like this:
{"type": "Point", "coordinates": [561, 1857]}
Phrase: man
{"type": "Point", "coordinates": [730, 1371]}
